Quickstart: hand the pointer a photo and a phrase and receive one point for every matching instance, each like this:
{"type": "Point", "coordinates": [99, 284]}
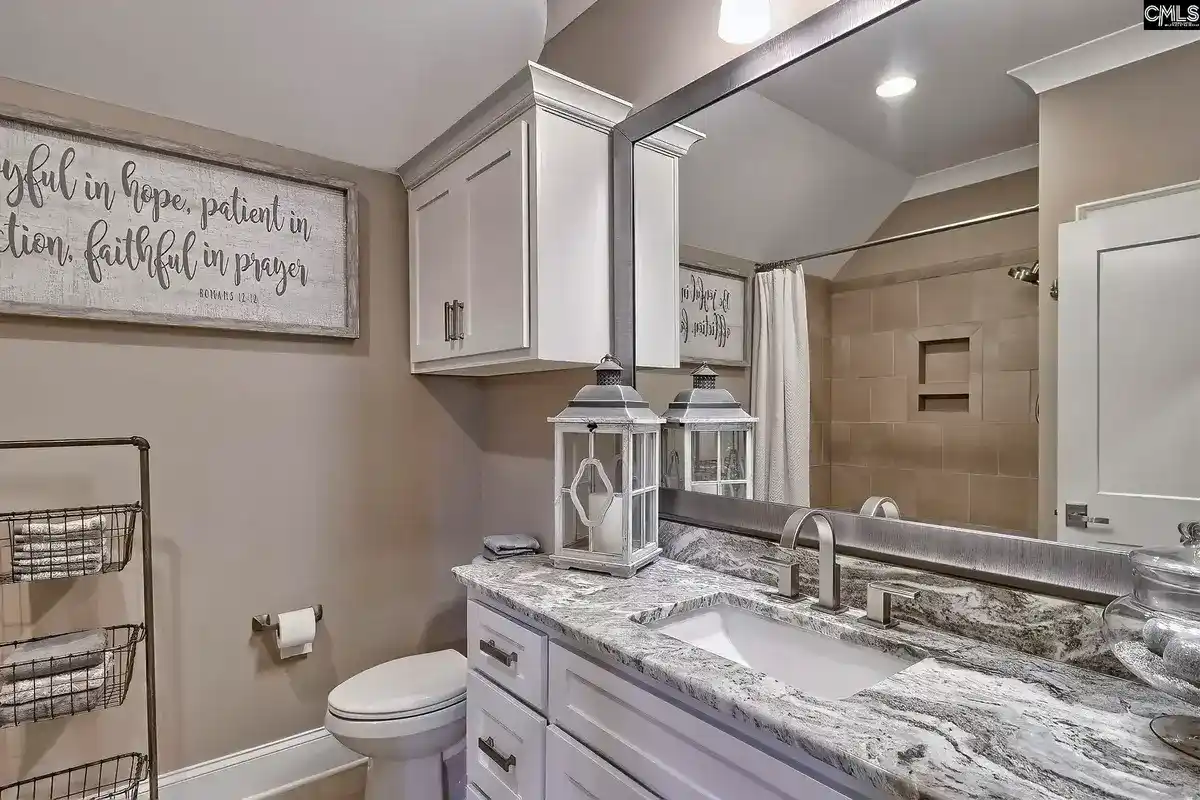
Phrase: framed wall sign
{"type": "Point", "coordinates": [714, 312]}
{"type": "Point", "coordinates": [110, 225]}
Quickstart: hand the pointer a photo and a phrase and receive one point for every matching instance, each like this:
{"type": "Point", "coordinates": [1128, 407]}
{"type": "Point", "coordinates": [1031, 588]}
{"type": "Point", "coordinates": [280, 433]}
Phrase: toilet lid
{"type": "Point", "coordinates": [404, 687]}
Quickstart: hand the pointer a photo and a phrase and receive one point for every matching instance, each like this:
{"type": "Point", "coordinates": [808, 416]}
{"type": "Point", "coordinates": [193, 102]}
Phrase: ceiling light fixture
{"type": "Point", "coordinates": [744, 21]}
{"type": "Point", "coordinates": [896, 87]}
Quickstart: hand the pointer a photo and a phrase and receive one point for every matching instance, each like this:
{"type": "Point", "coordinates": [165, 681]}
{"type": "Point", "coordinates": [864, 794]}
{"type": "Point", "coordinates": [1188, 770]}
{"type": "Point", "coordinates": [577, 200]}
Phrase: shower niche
{"type": "Point", "coordinates": [945, 369]}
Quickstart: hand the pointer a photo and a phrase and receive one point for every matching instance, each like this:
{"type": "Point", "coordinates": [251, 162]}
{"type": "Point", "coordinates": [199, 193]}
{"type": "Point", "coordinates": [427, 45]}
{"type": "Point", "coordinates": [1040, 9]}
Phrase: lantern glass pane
{"type": "Point", "coordinates": [672, 459]}
{"type": "Point", "coordinates": [593, 495]}
{"type": "Point", "coordinates": [638, 526]}
{"type": "Point", "coordinates": [575, 533]}
{"type": "Point", "coordinates": [644, 443]}
{"type": "Point", "coordinates": [575, 450]}
{"type": "Point", "coordinates": [705, 454]}
{"type": "Point", "coordinates": [651, 506]}
{"type": "Point", "coordinates": [733, 455]}
{"type": "Point", "coordinates": [737, 490]}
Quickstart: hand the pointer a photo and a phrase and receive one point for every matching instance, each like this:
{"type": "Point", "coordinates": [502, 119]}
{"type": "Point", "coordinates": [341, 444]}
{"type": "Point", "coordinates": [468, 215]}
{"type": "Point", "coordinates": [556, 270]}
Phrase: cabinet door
{"type": "Point", "coordinates": [656, 257]}
{"type": "Point", "coordinates": [496, 312]}
{"type": "Point", "coordinates": [575, 773]}
{"type": "Point", "coordinates": [437, 252]}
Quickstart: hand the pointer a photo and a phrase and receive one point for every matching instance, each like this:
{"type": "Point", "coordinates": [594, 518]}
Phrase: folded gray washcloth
{"type": "Point", "coordinates": [55, 573]}
{"type": "Point", "coordinates": [25, 561]}
{"type": "Point", "coordinates": [511, 541]}
{"type": "Point", "coordinates": [59, 547]}
{"type": "Point", "coordinates": [51, 686]}
{"type": "Point", "coordinates": [53, 707]}
{"type": "Point", "coordinates": [491, 556]}
{"type": "Point", "coordinates": [53, 655]}
{"type": "Point", "coordinates": [28, 530]}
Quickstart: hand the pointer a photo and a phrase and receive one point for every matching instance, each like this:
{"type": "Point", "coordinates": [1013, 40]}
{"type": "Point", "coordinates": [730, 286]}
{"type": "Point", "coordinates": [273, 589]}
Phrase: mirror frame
{"type": "Point", "coordinates": [1089, 574]}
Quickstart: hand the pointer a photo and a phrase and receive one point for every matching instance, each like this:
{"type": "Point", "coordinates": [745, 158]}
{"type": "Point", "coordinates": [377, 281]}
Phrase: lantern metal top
{"type": "Point", "coordinates": [705, 403]}
{"type": "Point", "coordinates": [608, 400]}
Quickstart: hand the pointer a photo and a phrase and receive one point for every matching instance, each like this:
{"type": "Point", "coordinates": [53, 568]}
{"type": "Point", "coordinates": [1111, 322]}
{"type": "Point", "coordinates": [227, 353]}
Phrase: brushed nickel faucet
{"type": "Point", "coordinates": [879, 602]}
{"type": "Point", "coordinates": [829, 590]}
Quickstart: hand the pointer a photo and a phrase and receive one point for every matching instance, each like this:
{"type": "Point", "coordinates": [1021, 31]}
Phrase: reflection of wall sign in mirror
{"type": "Point", "coordinates": [153, 232]}
{"type": "Point", "coordinates": [712, 317]}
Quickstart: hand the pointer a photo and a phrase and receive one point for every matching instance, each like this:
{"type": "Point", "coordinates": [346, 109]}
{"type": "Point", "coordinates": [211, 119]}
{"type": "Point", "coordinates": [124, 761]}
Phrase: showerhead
{"type": "Point", "coordinates": [1026, 273]}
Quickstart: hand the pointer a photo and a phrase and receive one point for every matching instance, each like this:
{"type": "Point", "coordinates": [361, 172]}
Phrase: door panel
{"type": "Point", "coordinates": [497, 199]}
{"type": "Point", "coordinates": [1129, 371]}
{"type": "Point", "coordinates": [438, 256]}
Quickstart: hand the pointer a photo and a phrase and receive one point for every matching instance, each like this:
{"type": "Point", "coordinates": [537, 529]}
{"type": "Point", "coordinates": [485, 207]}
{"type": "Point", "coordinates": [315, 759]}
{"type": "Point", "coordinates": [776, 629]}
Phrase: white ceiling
{"type": "Point", "coordinates": [767, 185]}
{"type": "Point", "coordinates": [369, 83]}
{"type": "Point", "coordinates": [965, 106]}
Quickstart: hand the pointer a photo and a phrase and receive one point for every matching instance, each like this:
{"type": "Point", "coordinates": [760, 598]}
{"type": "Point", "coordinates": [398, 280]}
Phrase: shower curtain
{"type": "Point", "coordinates": [780, 387]}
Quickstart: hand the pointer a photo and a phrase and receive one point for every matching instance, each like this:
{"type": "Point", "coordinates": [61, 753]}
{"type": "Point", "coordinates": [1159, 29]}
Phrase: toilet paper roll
{"type": "Point", "coordinates": [296, 632]}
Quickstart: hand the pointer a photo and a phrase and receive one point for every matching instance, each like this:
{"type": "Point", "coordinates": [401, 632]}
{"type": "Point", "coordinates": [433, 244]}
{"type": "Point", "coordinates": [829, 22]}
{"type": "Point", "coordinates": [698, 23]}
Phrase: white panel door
{"type": "Point", "coordinates": [1129, 371]}
{"type": "Point", "coordinates": [496, 312]}
{"type": "Point", "coordinates": [438, 275]}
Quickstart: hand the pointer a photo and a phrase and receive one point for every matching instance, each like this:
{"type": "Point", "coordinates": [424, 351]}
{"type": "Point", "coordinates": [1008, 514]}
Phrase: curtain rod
{"type": "Point", "coordinates": [953, 226]}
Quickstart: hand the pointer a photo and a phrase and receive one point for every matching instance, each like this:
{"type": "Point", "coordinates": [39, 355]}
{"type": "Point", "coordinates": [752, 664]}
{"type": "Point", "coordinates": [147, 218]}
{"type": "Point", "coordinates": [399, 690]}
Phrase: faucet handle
{"type": "Point", "coordinates": [787, 575]}
{"type": "Point", "coordinates": [879, 602]}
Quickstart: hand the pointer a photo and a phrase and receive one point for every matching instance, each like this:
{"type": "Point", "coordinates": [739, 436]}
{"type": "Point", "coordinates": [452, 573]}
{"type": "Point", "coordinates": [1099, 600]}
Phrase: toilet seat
{"type": "Point", "coordinates": [402, 689]}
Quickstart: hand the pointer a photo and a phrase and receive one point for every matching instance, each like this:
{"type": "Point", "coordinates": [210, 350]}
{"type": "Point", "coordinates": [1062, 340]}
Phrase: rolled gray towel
{"type": "Point", "coordinates": [54, 707]}
{"type": "Point", "coordinates": [55, 573]}
{"type": "Point", "coordinates": [51, 686]}
{"type": "Point", "coordinates": [59, 547]}
{"type": "Point", "coordinates": [50, 656]}
{"type": "Point", "coordinates": [48, 528]}
{"type": "Point", "coordinates": [511, 541]}
{"type": "Point", "coordinates": [27, 562]}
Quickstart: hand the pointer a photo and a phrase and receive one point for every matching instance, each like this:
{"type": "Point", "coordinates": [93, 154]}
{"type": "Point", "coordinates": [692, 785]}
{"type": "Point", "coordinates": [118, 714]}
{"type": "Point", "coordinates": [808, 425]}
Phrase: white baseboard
{"type": "Point", "coordinates": [260, 772]}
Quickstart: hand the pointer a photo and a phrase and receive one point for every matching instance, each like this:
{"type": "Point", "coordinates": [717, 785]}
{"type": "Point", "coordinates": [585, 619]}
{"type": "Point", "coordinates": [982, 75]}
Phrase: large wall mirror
{"type": "Point", "coordinates": [915, 368]}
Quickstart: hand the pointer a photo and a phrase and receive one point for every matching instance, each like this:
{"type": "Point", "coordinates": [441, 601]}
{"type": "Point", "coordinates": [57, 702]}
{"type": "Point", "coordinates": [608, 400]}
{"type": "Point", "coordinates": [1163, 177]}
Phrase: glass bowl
{"type": "Point", "coordinates": [1155, 633]}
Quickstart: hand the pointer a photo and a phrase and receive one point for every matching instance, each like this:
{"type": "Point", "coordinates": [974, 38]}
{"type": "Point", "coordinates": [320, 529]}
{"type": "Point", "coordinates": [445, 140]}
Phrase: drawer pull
{"type": "Point", "coordinates": [488, 746]}
{"type": "Point", "coordinates": [489, 648]}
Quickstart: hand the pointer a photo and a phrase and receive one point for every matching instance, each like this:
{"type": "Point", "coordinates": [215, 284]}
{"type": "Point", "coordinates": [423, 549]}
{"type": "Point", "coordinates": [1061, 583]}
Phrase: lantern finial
{"type": "Point", "coordinates": [704, 377]}
{"type": "Point", "coordinates": [608, 371]}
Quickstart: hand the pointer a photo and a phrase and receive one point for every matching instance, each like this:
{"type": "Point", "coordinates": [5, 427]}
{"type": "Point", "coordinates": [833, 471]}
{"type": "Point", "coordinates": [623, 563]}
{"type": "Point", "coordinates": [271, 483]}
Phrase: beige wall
{"type": "Point", "coordinates": [286, 472]}
{"type": "Point", "coordinates": [994, 238]}
{"type": "Point", "coordinates": [1117, 133]}
{"type": "Point", "coordinates": [973, 467]}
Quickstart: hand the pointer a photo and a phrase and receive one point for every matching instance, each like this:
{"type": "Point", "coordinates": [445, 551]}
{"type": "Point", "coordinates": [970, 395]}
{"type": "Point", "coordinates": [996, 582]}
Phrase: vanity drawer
{"type": "Point", "coordinates": [509, 653]}
{"type": "Point", "coordinates": [672, 752]}
{"type": "Point", "coordinates": [506, 744]}
{"type": "Point", "coordinates": [575, 773]}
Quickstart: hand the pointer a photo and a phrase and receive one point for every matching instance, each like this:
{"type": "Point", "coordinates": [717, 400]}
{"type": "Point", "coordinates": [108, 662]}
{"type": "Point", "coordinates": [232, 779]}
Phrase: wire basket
{"type": "Point", "coordinates": [66, 542]}
{"type": "Point", "coordinates": [75, 680]}
{"type": "Point", "coordinates": [116, 778]}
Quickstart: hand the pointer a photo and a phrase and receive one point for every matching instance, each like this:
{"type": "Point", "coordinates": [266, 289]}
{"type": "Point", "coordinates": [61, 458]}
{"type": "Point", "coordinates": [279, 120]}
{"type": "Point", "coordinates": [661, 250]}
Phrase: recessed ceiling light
{"type": "Point", "coordinates": [744, 21]}
{"type": "Point", "coordinates": [896, 87]}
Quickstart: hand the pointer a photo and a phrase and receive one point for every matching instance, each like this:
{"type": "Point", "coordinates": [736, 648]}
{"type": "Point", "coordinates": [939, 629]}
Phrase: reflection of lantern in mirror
{"type": "Point", "coordinates": [606, 478]}
{"type": "Point", "coordinates": [708, 441]}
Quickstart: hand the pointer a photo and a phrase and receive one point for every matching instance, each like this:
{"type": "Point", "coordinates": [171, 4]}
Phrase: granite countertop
{"type": "Point", "coordinates": [969, 720]}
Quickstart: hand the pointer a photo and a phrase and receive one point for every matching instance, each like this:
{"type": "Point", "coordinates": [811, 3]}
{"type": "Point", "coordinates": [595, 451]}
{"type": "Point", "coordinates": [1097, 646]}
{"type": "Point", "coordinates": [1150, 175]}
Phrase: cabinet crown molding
{"type": "Point", "coordinates": [673, 141]}
{"type": "Point", "coordinates": [533, 86]}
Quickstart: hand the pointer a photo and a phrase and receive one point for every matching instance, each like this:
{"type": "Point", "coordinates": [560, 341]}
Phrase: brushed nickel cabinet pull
{"type": "Point", "coordinates": [488, 746]}
{"type": "Point", "coordinates": [489, 648]}
{"type": "Point", "coordinates": [460, 309]}
{"type": "Point", "coordinates": [446, 320]}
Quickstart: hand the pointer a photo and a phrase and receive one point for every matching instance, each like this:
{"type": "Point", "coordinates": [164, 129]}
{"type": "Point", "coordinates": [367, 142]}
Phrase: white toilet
{"type": "Point", "coordinates": [409, 716]}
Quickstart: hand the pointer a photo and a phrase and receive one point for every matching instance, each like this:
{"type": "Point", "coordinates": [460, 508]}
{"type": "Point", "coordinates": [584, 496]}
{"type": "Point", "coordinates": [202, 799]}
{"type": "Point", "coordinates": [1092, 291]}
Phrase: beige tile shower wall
{"type": "Point", "coordinates": [978, 469]}
{"type": "Point", "coordinates": [286, 472]}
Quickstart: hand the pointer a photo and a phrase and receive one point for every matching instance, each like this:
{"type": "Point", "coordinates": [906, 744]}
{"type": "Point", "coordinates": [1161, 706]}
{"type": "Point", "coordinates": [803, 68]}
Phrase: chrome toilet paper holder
{"type": "Point", "coordinates": [266, 622]}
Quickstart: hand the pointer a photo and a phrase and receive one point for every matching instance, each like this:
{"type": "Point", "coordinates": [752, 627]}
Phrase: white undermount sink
{"type": "Point", "coordinates": [821, 666]}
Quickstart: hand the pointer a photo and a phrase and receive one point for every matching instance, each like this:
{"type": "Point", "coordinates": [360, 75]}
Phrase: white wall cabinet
{"type": "Point", "coordinates": [607, 737]}
{"type": "Point", "coordinates": [509, 242]}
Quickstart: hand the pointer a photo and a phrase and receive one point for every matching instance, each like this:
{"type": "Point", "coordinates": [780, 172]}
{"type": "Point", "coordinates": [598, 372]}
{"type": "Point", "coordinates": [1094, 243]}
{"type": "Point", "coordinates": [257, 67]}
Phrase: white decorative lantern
{"type": "Point", "coordinates": [606, 478]}
{"type": "Point", "coordinates": [708, 442]}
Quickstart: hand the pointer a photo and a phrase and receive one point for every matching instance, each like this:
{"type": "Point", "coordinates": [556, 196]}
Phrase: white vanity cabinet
{"type": "Point", "coordinates": [589, 731]}
{"type": "Point", "coordinates": [509, 234]}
